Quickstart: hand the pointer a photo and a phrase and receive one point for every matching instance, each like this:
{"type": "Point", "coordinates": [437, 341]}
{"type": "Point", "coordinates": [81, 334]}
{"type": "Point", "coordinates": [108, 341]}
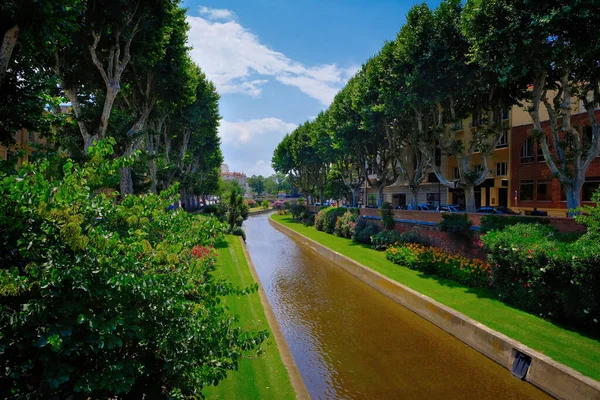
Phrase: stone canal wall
{"type": "Point", "coordinates": [554, 378]}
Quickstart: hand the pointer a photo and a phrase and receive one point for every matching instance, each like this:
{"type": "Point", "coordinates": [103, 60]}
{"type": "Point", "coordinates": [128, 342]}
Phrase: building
{"type": "Point", "coordinates": [240, 177]}
{"type": "Point", "coordinates": [533, 184]}
{"type": "Point", "coordinates": [494, 191]}
{"type": "Point", "coordinates": [431, 191]}
{"type": "Point", "coordinates": [24, 140]}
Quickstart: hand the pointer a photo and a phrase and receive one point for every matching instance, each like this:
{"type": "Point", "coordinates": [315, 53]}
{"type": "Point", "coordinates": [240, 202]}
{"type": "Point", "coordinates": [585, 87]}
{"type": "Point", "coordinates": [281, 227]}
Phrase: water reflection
{"type": "Point", "coordinates": [351, 342]}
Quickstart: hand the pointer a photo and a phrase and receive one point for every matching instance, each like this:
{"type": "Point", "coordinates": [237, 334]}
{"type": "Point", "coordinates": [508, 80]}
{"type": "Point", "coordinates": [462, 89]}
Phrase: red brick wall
{"type": "Point", "coordinates": [539, 170]}
{"type": "Point", "coordinates": [567, 225]}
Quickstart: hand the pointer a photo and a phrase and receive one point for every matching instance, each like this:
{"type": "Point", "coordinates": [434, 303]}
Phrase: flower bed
{"type": "Point", "coordinates": [432, 260]}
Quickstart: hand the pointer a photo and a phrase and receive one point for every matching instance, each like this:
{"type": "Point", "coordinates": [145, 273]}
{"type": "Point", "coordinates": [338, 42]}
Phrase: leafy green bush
{"type": "Point", "coordinates": [212, 209]}
{"type": "Point", "coordinates": [297, 210]}
{"type": "Point", "coordinates": [540, 271]}
{"type": "Point", "coordinates": [238, 231]}
{"type": "Point", "coordinates": [591, 217]}
{"type": "Point", "coordinates": [363, 230]}
{"type": "Point", "coordinates": [344, 226]}
{"type": "Point", "coordinates": [456, 225]}
{"type": "Point", "coordinates": [331, 216]}
{"type": "Point", "coordinates": [100, 299]}
{"type": "Point", "coordinates": [265, 204]}
{"type": "Point", "coordinates": [384, 239]}
{"type": "Point", "coordinates": [308, 219]}
{"type": "Point", "coordinates": [320, 220]}
{"type": "Point", "coordinates": [498, 222]}
{"type": "Point", "coordinates": [387, 215]}
{"type": "Point", "coordinates": [432, 260]}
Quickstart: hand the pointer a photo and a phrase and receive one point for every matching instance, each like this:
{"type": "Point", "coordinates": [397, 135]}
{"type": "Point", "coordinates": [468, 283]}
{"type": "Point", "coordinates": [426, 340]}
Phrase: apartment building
{"type": "Point", "coordinates": [24, 140]}
{"type": "Point", "coordinates": [532, 184]}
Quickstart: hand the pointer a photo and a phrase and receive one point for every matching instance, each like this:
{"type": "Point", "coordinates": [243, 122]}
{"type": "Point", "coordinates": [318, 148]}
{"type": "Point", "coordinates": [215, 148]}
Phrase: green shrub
{"type": "Point", "coordinates": [100, 299]}
{"type": "Point", "coordinates": [297, 210]}
{"type": "Point", "coordinates": [331, 216]}
{"type": "Point", "coordinates": [384, 239]}
{"type": "Point", "coordinates": [265, 204]}
{"type": "Point", "coordinates": [591, 217]}
{"type": "Point", "coordinates": [238, 231]}
{"type": "Point", "coordinates": [413, 237]}
{"type": "Point", "coordinates": [387, 215]}
{"type": "Point", "coordinates": [363, 231]}
{"type": "Point", "coordinates": [344, 226]}
{"type": "Point", "coordinates": [212, 209]}
{"type": "Point", "coordinates": [308, 219]}
{"type": "Point", "coordinates": [320, 220]}
{"type": "Point", "coordinates": [456, 225]}
{"type": "Point", "coordinates": [403, 256]}
{"type": "Point", "coordinates": [537, 270]}
{"type": "Point", "coordinates": [499, 222]}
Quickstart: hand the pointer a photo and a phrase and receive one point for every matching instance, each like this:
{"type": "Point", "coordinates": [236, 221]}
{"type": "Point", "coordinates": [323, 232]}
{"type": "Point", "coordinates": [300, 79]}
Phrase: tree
{"type": "Point", "coordinates": [257, 184]}
{"type": "Point", "coordinates": [380, 144]}
{"type": "Point", "coordinates": [344, 129]}
{"type": "Point", "coordinates": [446, 87]}
{"type": "Point", "coordinates": [561, 65]}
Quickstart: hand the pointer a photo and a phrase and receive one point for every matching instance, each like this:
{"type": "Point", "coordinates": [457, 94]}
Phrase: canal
{"type": "Point", "coordinates": [351, 342]}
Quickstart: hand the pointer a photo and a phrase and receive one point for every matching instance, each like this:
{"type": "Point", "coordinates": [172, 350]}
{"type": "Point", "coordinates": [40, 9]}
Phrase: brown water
{"type": "Point", "coordinates": [351, 342]}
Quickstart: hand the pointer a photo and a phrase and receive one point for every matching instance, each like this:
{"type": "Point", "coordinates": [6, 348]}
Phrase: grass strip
{"type": "Point", "coordinates": [264, 377]}
{"type": "Point", "coordinates": [574, 349]}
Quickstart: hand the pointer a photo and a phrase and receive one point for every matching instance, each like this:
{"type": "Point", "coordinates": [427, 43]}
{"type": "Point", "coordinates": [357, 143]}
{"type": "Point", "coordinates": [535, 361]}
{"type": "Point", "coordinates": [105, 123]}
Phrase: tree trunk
{"type": "Point", "coordinates": [354, 199]}
{"type": "Point", "coordinates": [152, 167]}
{"type": "Point", "coordinates": [125, 181]}
{"type": "Point", "coordinates": [414, 193]}
{"type": "Point", "coordinates": [573, 199]}
{"type": "Point", "coordinates": [88, 141]}
{"type": "Point", "coordinates": [470, 198]}
{"type": "Point", "coordinates": [380, 195]}
{"type": "Point", "coordinates": [8, 44]}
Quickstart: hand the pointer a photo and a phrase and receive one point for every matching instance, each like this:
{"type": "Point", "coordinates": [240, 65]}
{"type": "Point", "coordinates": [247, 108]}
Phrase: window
{"type": "Point", "coordinates": [438, 157]}
{"type": "Point", "coordinates": [502, 168]}
{"type": "Point", "coordinates": [432, 177]}
{"type": "Point", "coordinates": [31, 136]}
{"type": "Point", "coordinates": [540, 154]}
{"type": "Point", "coordinates": [544, 190]}
{"type": "Point", "coordinates": [589, 188]}
{"type": "Point", "coordinates": [527, 151]}
{"type": "Point", "coordinates": [458, 125]}
{"type": "Point", "coordinates": [505, 114]}
{"type": "Point", "coordinates": [526, 190]}
{"type": "Point", "coordinates": [434, 199]}
{"type": "Point", "coordinates": [455, 173]}
{"type": "Point", "coordinates": [371, 199]}
{"type": "Point", "coordinates": [503, 141]}
{"type": "Point", "coordinates": [477, 120]}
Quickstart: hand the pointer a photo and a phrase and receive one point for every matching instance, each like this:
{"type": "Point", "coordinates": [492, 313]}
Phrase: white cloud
{"type": "Point", "coordinates": [241, 132]}
{"type": "Point", "coordinates": [237, 62]}
{"type": "Point", "coordinates": [244, 142]}
{"type": "Point", "coordinates": [216, 13]}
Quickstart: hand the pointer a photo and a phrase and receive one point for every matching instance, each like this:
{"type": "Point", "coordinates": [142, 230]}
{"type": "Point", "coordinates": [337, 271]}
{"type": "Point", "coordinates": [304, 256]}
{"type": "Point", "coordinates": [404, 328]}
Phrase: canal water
{"type": "Point", "coordinates": [351, 342]}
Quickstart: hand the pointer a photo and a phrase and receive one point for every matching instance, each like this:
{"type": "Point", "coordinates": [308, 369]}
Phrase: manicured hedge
{"type": "Point", "coordinates": [546, 273]}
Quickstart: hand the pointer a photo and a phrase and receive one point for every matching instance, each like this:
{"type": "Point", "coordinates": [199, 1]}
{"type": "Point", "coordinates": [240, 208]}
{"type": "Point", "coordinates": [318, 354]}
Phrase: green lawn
{"type": "Point", "coordinates": [263, 377]}
{"type": "Point", "coordinates": [576, 350]}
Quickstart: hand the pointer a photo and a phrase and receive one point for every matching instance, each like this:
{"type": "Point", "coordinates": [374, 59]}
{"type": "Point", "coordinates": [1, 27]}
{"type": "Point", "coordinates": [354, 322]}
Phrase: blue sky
{"type": "Point", "coordinates": [277, 63]}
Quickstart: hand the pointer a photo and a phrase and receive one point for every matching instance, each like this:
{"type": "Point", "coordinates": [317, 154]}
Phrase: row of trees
{"type": "Point", "coordinates": [270, 185]}
{"type": "Point", "coordinates": [405, 107]}
{"type": "Point", "coordinates": [82, 70]}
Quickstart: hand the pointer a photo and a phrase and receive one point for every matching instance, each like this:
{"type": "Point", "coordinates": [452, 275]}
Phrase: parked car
{"type": "Point", "coordinates": [451, 208]}
{"type": "Point", "coordinates": [425, 207]}
{"type": "Point", "coordinates": [496, 210]}
{"type": "Point", "coordinates": [399, 208]}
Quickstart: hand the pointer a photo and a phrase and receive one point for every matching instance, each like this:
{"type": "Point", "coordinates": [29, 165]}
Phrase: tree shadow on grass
{"type": "Point", "coordinates": [490, 294]}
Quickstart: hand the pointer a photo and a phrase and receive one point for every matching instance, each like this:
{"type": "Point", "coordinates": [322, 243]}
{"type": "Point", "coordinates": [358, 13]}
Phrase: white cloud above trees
{"type": "Point", "coordinates": [237, 62]}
